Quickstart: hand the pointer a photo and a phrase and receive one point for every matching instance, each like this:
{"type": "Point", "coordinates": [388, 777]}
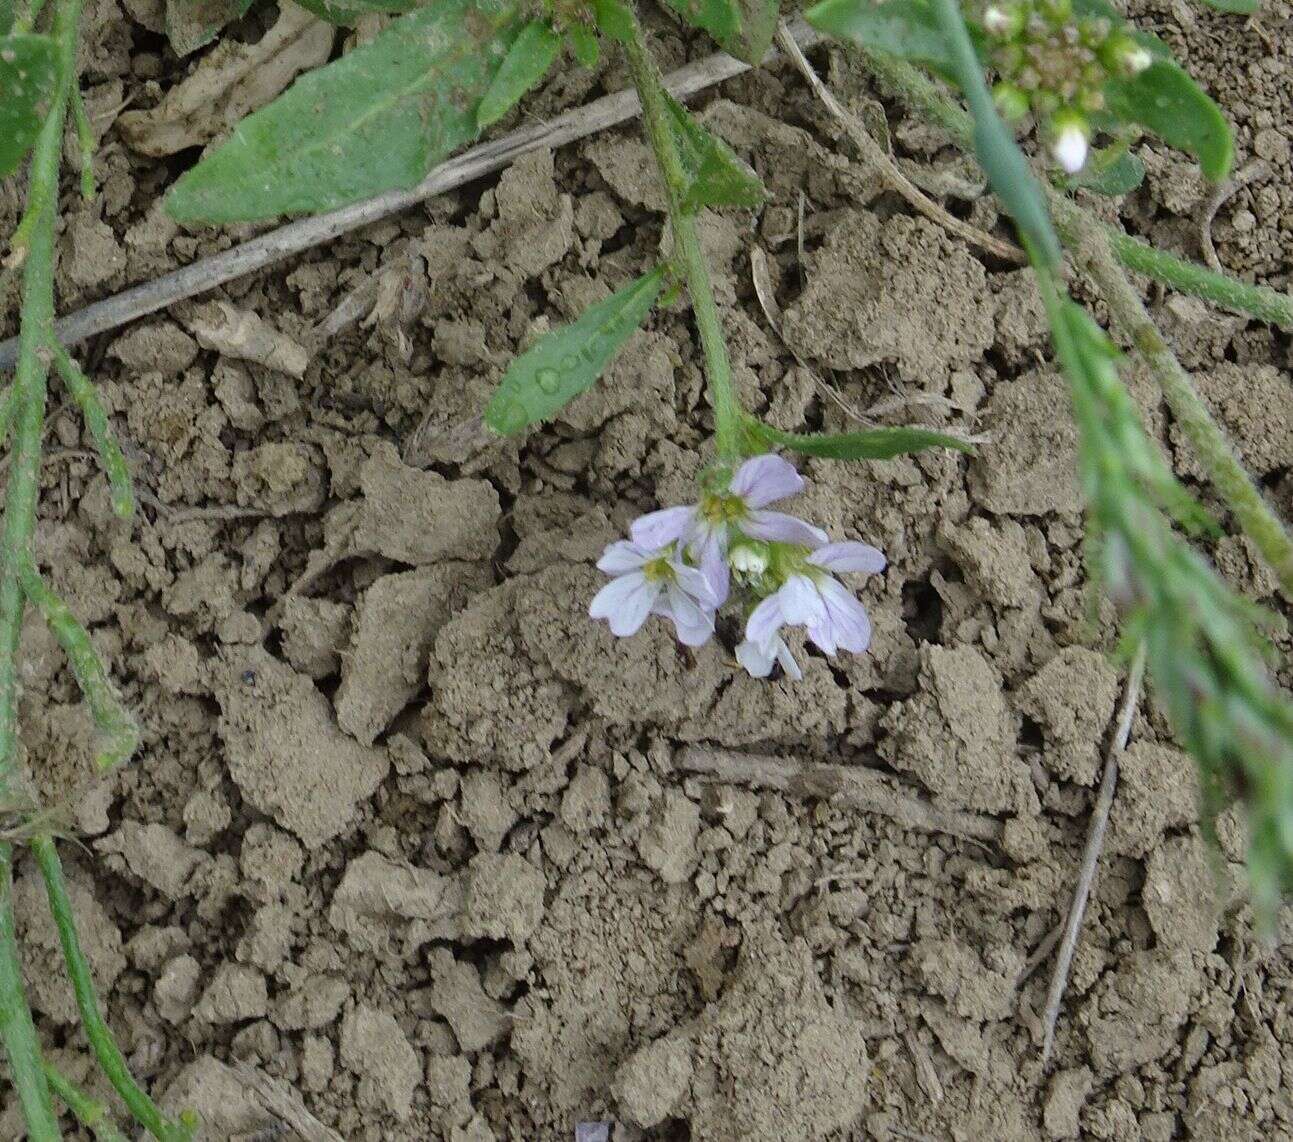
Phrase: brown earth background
{"type": "Point", "coordinates": [413, 837]}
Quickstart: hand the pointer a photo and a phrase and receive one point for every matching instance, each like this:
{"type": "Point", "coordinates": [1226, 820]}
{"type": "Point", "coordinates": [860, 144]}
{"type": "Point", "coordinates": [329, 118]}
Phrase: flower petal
{"type": "Point", "coordinates": [621, 557]}
{"type": "Point", "coordinates": [787, 660]}
{"type": "Point", "coordinates": [711, 553]}
{"type": "Point", "coordinates": [850, 624]}
{"type": "Point", "coordinates": [694, 581]}
{"type": "Point", "coordinates": [757, 657]}
{"type": "Point", "coordinates": [800, 602]}
{"type": "Point", "coordinates": [778, 527]}
{"type": "Point", "coordinates": [763, 480]}
{"type": "Point", "coordinates": [694, 624]}
{"type": "Point", "coordinates": [765, 620]}
{"type": "Point", "coordinates": [659, 529]}
{"type": "Point", "coordinates": [849, 556]}
{"type": "Point", "coordinates": [625, 602]}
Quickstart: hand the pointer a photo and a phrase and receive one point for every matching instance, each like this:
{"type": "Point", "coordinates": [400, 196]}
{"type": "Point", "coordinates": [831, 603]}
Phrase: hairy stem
{"type": "Point", "coordinates": [16, 1026]}
{"type": "Point", "coordinates": [1188, 277]}
{"type": "Point", "coordinates": [1255, 515]}
{"type": "Point", "coordinates": [90, 1113]}
{"type": "Point", "coordinates": [718, 367]}
{"type": "Point", "coordinates": [102, 1043]}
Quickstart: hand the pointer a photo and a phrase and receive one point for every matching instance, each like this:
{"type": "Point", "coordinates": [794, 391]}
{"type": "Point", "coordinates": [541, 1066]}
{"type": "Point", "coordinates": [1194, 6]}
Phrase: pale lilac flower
{"type": "Point", "coordinates": [654, 581]}
{"type": "Point", "coordinates": [811, 598]}
{"type": "Point", "coordinates": [705, 529]}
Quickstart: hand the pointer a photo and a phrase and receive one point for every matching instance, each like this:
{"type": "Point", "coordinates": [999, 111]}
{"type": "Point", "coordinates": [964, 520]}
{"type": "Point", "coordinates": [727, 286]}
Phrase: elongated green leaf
{"type": "Point", "coordinates": [28, 75]}
{"type": "Point", "coordinates": [614, 18]}
{"type": "Point", "coordinates": [564, 363]}
{"type": "Point", "coordinates": [583, 44]}
{"type": "Point", "coordinates": [6, 17]}
{"type": "Point", "coordinates": [869, 444]}
{"type": "Point", "coordinates": [717, 176]}
{"type": "Point", "coordinates": [1235, 7]}
{"type": "Point", "coordinates": [1164, 99]}
{"type": "Point", "coordinates": [347, 12]}
{"type": "Point", "coordinates": [527, 62]}
{"type": "Point", "coordinates": [907, 29]}
{"type": "Point", "coordinates": [377, 119]}
{"type": "Point", "coordinates": [743, 28]}
{"type": "Point", "coordinates": [191, 24]}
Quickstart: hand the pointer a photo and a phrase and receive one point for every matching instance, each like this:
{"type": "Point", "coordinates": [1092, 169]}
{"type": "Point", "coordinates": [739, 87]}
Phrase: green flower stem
{"type": "Point", "coordinates": [1189, 277]}
{"type": "Point", "coordinates": [119, 731]}
{"type": "Point", "coordinates": [718, 367]}
{"type": "Point", "coordinates": [1254, 514]}
{"type": "Point", "coordinates": [1098, 249]}
{"type": "Point", "coordinates": [102, 1043]}
{"type": "Point", "coordinates": [96, 420]}
{"type": "Point", "coordinates": [91, 1114]}
{"type": "Point", "coordinates": [16, 1026]}
{"type": "Point", "coordinates": [84, 140]}
{"type": "Point", "coordinates": [8, 404]}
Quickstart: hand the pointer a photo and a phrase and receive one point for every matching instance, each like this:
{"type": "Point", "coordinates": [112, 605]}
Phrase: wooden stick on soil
{"type": "Point", "coordinates": [854, 787]}
{"type": "Point", "coordinates": [889, 170]}
{"type": "Point", "coordinates": [297, 237]}
{"type": "Point", "coordinates": [1091, 854]}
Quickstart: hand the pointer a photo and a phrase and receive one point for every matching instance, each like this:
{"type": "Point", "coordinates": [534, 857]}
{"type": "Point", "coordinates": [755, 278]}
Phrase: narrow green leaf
{"type": "Point", "coordinates": [376, 119]}
{"type": "Point", "coordinates": [615, 19]}
{"type": "Point", "coordinates": [1235, 7]}
{"type": "Point", "coordinates": [907, 29]}
{"type": "Point", "coordinates": [583, 44]}
{"type": "Point", "coordinates": [191, 24]}
{"type": "Point", "coordinates": [869, 444]}
{"type": "Point", "coordinates": [347, 12]}
{"type": "Point", "coordinates": [1113, 178]}
{"type": "Point", "coordinates": [717, 176]}
{"type": "Point", "coordinates": [6, 17]}
{"type": "Point", "coordinates": [743, 28]}
{"type": "Point", "coordinates": [28, 75]}
{"type": "Point", "coordinates": [526, 63]}
{"type": "Point", "coordinates": [568, 360]}
{"type": "Point", "coordinates": [1164, 99]}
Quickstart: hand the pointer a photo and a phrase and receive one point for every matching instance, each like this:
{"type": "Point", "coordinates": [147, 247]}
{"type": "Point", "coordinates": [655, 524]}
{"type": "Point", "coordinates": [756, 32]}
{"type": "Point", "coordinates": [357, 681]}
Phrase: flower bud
{"type": "Point", "coordinates": [747, 559]}
{"type": "Point", "coordinates": [1125, 54]}
{"type": "Point", "coordinates": [1012, 102]}
{"type": "Point", "coordinates": [1070, 141]}
{"type": "Point", "coordinates": [1004, 21]}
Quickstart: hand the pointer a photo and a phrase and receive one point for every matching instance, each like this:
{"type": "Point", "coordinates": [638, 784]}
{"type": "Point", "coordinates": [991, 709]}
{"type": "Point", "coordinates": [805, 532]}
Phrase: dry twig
{"type": "Point", "coordinates": [1091, 854]}
{"type": "Point", "coordinates": [853, 787]}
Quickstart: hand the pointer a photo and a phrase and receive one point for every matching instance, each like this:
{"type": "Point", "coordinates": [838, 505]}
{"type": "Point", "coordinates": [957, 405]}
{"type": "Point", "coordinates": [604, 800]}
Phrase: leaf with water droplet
{"type": "Point", "coordinates": [376, 119]}
{"type": "Point", "coordinates": [28, 74]}
{"type": "Point", "coordinates": [869, 444]}
{"type": "Point", "coordinates": [1165, 100]}
{"type": "Point", "coordinates": [566, 361]}
{"type": "Point", "coordinates": [527, 62]}
{"type": "Point", "coordinates": [716, 175]}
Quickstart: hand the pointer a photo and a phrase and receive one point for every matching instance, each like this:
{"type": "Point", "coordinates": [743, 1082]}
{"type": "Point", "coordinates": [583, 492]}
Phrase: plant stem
{"type": "Point", "coordinates": [1254, 514]}
{"type": "Point", "coordinates": [1189, 277]}
{"type": "Point", "coordinates": [718, 367]}
{"type": "Point", "coordinates": [96, 1030]}
{"type": "Point", "coordinates": [92, 1114]}
{"type": "Point", "coordinates": [16, 1026]}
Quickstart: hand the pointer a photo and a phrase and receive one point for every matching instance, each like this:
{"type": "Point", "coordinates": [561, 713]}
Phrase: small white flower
{"type": "Point", "coordinates": [998, 21]}
{"type": "Point", "coordinates": [1070, 147]}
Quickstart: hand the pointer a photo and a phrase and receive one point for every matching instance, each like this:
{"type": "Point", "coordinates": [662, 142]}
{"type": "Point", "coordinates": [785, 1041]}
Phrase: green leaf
{"type": "Point", "coordinates": [907, 29]}
{"type": "Point", "coordinates": [716, 175]}
{"type": "Point", "coordinates": [191, 24]}
{"type": "Point", "coordinates": [376, 119]}
{"type": "Point", "coordinates": [583, 44]}
{"type": "Point", "coordinates": [347, 12]}
{"type": "Point", "coordinates": [743, 28]}
{"type": "Point", "coordinates": [869, 444]}
{"type": "Point", "coordinates": [1113, 177]}
{"type": "Point", "coordinates": [28, 76]}
{"type": "Point", "coordinates": [526, 63]}
{"type": "Point", "coordinates": [615, 19]}
{"type": "Point", "coordinates": [568, 360]}
{"type": "Point", "coordinates": [6, 17]}
{"type": "Point", "coordinates": [1165, 100]}
{"type": "Point", "coordinates": [1235, 7]}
